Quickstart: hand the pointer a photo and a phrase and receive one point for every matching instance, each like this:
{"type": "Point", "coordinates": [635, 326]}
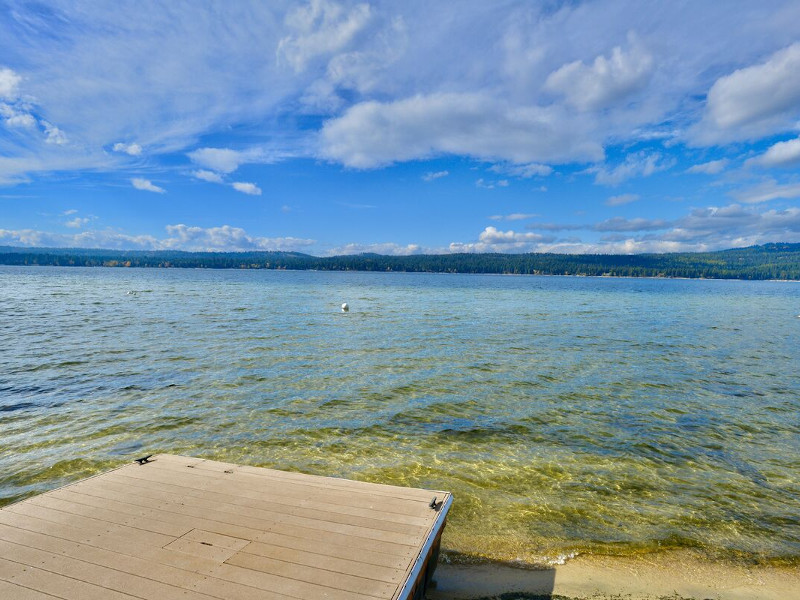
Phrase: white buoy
{"type": "Point", "coordinates": [345, 307]}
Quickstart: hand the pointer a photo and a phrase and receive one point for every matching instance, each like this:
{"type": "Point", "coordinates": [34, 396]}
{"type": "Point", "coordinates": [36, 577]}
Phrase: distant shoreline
{"type": "Point", "coordinates": [770, 262]}
{"type": "Point", "coordinates": [576, 276]}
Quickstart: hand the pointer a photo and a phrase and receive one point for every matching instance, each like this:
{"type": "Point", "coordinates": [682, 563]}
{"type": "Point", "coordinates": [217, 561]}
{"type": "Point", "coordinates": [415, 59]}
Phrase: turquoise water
{"type": "Point", "coordinates": [566, 414]}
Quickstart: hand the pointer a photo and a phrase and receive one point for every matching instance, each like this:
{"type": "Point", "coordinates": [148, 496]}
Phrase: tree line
{"type": "Point", "coordinates": [769, 261]}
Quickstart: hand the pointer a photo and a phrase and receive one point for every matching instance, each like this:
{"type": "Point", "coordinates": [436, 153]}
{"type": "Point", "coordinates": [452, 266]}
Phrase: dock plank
{"type": "Point", "coordinates": [195, 529]}
{"type": "Point", "coordinates": [205, 480]}
{"type": "Point", "coordinates": [17, 592]}
{"type": "Point", "coordinates": [288, 493]}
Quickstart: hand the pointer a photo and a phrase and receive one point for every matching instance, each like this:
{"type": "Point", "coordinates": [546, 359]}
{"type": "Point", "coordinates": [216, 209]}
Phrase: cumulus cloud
{"type": "Point", "coordinates": [712, 167]}
{"type": "Point", "coordinates": [766, 191]}
{"type": "Point", "coordinates": [133, 149]}
{"type": "Point", "coordinates": [753, 101]}
{"type": "Point", "coordinates": [431, 176]}
{"type": "Point", "coordinates": [782, 154]}
{"type": "Point", "coordinates": [246, 188]}
{"type": "Point", "coordinates": [374, 134]}
{"type": "Point", "coordinates": [639, 164]}
{"type": "Point", "coordinates": [179, 237]}
{"type": "Point", "coordinates": [87, 239]}
{"type": "Point", "coordinates": [223, 160]}
{"type": "Point", "coordinates": [606, 81]}
{"type": "Point", "coordinates": [77, 222]}
{"type": "Point", "coordinates": [226, 160]}
{"type": "Point", "coordinates": [492, 239]}
{"type": "Point", "coordinates": [13, 117]}
{"type": "Point", "coordinates": [9, 83]}
{"type": "Point", "coordinates": [226, 238]}
{"type": "Point", "coordinates": [147, 185]}
{"type": "Point", "coordinates": [54, 135]}
{"type": "Point", "coordinates": [209, 176]}
{"type": "Point", "coordinates": [622, 199]}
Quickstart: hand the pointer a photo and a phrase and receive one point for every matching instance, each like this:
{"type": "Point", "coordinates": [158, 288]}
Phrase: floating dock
{"type": "Point", "coordinates": [184, 528]}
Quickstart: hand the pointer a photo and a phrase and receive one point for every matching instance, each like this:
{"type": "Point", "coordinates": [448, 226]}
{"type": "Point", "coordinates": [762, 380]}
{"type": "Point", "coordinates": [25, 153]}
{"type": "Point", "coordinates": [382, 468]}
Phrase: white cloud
{"type": "Point", "coordinates": [782, 154]}
{"type": "Point", "coordinates": [702, 230]}
{"type": "Point", "coordinates": [524, 171]}
{"type": "Point", "coordinates": [390, 81]}
{"type": "Point", "coordinates": [639, 164]}
{"type": "Point", "coordinates": [374, 134]}
{"type": "Point", "coordinates": [147, 185]}
{"type": "Point", "coordinates": [606, 81]}
{"type": "Point", "coordinates": [766, 191]}
{"type": "Point", "coordinates": [209, 176]}
{"type": "Point", "coordinates": [223, 160]}
{"type": "Point", "coordinates": [133, 149]}
{"type": "Point", "coordinates": [13, 117]}
{"type": "Point", "coordinates": [226, 238]}
{"type": "Point", "coordinates": [77, 222]}
{"type": "Point", "coordinates": [320, 28]}
{"type": "Point", "coordinates": [21, 120]}
{"type": "Point", "coordinates": [69, 212]}
{"type": "Point", "coordinates": [246, 188]}
{"type": "Point", "coordinates": [179, 237]}
{"type": "Point", "coordinates": [514, 217]}
{"type": "Point", "coordinates": [753, 101]}
{"type": "Point", "coordinates": [622, 199]}
{"type": "Point", "coordinates": [712, 167]}
{"type": "Point", "coordinates": [431, 176]}
{"type": "Point", "coordinates": [54, 134]}
{"type": "Point", "coordinates": [9, 83]}
{"type": "Point", "coordinates": [492, 239]}
{"type": "Point", "coordinates": [86, 239]}
{"type": "Point", "coordinates": [226, 160]}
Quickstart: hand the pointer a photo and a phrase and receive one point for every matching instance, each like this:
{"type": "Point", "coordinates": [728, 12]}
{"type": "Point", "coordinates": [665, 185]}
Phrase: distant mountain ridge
{"type": "Point", "coordinates": [768, 261]}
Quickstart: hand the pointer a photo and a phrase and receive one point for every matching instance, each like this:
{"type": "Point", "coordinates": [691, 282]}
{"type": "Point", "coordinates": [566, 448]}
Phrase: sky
{"type": "Point", "coordinates": [327, 127]}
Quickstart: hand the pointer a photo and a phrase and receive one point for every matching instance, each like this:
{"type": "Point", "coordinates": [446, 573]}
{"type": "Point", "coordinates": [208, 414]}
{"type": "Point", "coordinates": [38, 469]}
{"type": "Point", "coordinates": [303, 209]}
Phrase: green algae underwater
{"type": "Point", "coordinates": [566, 415]}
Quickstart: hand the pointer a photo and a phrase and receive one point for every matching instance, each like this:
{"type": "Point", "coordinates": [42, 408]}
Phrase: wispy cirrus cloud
{"type": "Point", "coordinates": [514, 217]}
{"type": "Point", "coordinates": [765, 191]}
{"type": "Point", "coordinates": [712, 167]}
{"type": "Point", "coordinates": [638, 164]}
{"type": "Point", "coordinates": [622, 199]}
{"type": "Point", "coordinates": [434, 175]}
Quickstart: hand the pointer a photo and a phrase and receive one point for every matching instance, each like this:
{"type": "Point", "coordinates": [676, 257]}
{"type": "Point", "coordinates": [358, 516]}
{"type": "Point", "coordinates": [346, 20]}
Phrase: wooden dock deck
{"type": "Point", "coordinates": [193, 529]}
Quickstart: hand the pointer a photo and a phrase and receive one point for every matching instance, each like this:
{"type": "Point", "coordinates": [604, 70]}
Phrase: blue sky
{"type": "Point", "coordinates": [341, 127]}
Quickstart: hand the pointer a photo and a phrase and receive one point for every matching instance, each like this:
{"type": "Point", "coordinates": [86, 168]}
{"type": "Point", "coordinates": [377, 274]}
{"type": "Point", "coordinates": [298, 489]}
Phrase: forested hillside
{"type": "Point", "coordinates": [770, 261]}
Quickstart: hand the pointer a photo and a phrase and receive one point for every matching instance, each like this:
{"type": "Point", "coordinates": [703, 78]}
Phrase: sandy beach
{"type": "Point", "coordinates": [672, 575]}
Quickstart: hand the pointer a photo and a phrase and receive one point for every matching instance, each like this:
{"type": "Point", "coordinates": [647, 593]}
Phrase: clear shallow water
{"type": "Point", "coordinates": [566, 414]}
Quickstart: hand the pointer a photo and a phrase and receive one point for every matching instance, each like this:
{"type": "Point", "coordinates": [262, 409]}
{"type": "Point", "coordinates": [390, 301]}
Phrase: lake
{"type": "Point", "coordinates": [567, 415]}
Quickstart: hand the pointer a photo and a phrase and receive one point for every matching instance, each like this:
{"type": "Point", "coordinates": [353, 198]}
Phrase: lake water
{"type": "Point", "coordinates": [565, 414]}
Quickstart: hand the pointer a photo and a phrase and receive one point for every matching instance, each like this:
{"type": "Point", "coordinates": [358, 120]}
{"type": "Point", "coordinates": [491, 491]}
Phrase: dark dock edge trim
{"type": "Point", "coordinates": [416, 578]}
